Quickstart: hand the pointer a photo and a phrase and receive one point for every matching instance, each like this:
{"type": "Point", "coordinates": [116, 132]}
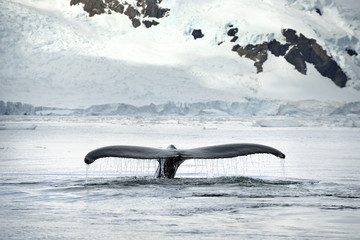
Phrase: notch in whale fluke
{"type": "Point", "coordinates": [171, 158]}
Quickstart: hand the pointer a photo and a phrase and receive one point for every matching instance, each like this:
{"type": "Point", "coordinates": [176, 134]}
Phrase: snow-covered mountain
{"type": "Point", "coordinates": [54, 53]}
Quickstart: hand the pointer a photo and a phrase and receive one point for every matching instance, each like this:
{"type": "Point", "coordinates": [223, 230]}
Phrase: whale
{"type": "Point", "coordinates": [171, 158]}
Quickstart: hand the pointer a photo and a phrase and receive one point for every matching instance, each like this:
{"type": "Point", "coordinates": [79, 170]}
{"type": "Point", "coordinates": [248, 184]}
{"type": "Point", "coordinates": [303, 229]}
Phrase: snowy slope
{"type": "Point", "coordinates": [54, 54]}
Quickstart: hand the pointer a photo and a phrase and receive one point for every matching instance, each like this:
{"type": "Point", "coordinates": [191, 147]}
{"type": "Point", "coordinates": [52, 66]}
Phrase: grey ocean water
{"type": "Point", "coordinates": [47, 192]}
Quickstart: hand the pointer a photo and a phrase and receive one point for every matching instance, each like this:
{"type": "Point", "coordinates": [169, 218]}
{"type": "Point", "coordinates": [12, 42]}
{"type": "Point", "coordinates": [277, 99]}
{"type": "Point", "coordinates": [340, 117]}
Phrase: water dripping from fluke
{"type": "Point", "coordinates": [171, 158]}
{"type": "Point", "coordinates": [87, 173]}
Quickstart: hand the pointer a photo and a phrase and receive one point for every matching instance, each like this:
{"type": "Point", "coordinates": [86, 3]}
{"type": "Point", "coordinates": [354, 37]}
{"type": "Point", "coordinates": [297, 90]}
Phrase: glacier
{"type": "Point", "coordinates": [250, 112]}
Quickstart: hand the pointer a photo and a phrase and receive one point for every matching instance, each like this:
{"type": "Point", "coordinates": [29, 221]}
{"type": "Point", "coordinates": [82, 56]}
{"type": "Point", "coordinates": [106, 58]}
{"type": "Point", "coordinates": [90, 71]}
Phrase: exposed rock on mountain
{"type": "Point", "coordinates": [295, 58]}
{"type": "Point", "coordinates": [278, 49]}
{"type": "Point", "coordinates": [135, 22]}
{"type": "Point", "coordinates": [235, 48]}
{"type": "Point", "coordinates": [312, 52]}
{"type": "Point", "coordinates": [148, 23]}
{"type": "Point", "coordinates": [302, 50]}
{"type": "Point", "coordinates": [197, 33]}
{"type": "Point", "coordinates": [318, 11]}
{"type": "Point", "coordinates": [351, 52]}
{"type": "Point", "coordinates": [91, 6]}
{"type": "Point", "coordinates": [150, 8]}
{"type": "Point", "coordinates": [234, 39]}
{"type": "Point", "coordinates": [232, 32]}
{"type": "Point", "coordinates": [131, 12]}
{"type": "Point", "coordinates": [290, 36]}
{"type": "Point", "coordinates": [257, 53]}
{"type": "Point", "coordinates": [143, 9]}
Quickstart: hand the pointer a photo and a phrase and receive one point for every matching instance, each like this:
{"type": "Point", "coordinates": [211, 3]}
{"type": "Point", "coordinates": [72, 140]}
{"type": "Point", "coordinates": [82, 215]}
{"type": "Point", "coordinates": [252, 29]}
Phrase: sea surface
{"type": "Point", "coordinates": [47, 192]}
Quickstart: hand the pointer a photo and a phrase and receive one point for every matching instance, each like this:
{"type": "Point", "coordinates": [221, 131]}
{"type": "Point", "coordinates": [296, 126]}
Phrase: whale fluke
{"type": "Point", "coordinates": [229, 151]}
{"type": "Point", "coordinates": [123, 151]}
{"type": "Point", "coordinates": [171, 158]}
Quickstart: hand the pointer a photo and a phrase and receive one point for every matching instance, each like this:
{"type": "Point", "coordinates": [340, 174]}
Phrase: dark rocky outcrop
{"type": "Point", "coordinates": [351, 52]}
{"type": "Point", "coordinates": [257, 53]}
{"type": "Point", "coordinates": [150, 8]}
{"type": "Point", "coordinates": [295, 58]}
{"type": "Point", "coordinates": [148, 23]}
{"type": "Point", "coordinates": [235, 48]}
{"type": "Point", "coordinates": [144, 8]}
{"type": "Point", "coordinates": [298, 51]}
{"type": "Point", "coordinates": [232, 32]}
{"type": "Point", "coordinates": [290, 36]}
{"type": "Point", "coordinates": [278, 49]}
{"type": "Point", "coordinates": [131, 12]}
{"type": "Point", "coordinates": [197, 33]}
{"type": "Point", "coordinates": [91, 6]}
{"type": "Point", "coordinates": [318, 11]}
{"type": "Point", "coordinates": [234, 39]}
{"type": "Point", "coordinates": [135, 22]}
{"type": "Point", "coordinates": [117, 7]}
{"type": "Point", "coordinates": [311, 52]}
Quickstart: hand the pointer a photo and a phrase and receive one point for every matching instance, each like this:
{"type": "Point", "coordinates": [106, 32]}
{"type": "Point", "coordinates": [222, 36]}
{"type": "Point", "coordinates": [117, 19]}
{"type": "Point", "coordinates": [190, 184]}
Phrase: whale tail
{"type": "Point", "coordinates": [171, 158]}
